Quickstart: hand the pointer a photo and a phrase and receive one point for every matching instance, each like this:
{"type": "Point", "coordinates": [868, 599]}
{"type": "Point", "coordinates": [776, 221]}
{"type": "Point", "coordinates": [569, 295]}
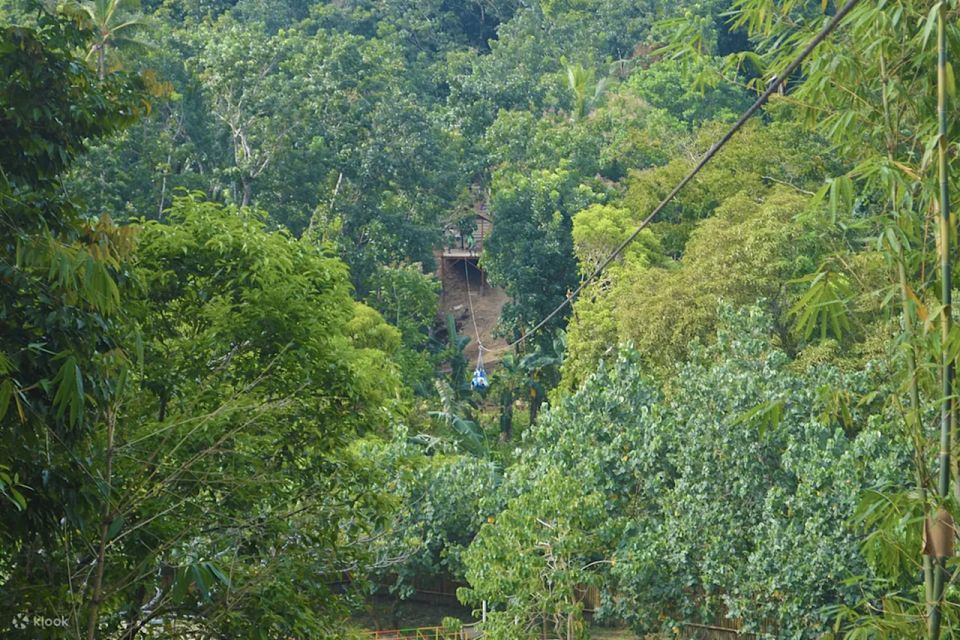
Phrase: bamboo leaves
{"type": "Point", "coordinates": [930, 24]}
{"type": "Point", "coordinates": [823, 307]}
{"type": "Point", "coordinates": [891, 519]}
{"type": "Point", "coordinates": [6, 393]}
{"type": "Point", "coordinates": [841, 196]}
{"type": "Point", "coordinates": [763, 416]}
{"type": "Point", "coordinates": [8, 488]}
{"type": "Point", "coordinates": [69, 397]}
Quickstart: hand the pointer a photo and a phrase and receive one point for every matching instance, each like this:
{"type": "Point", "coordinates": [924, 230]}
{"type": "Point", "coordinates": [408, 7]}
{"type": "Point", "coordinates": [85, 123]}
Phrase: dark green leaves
{"type": "Point", "coordinates": [51, 105]}
{"type": "Point", "coordinates": [203, 577]}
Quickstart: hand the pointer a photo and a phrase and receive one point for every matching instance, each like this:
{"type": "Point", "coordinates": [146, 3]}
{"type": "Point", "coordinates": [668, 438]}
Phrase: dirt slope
{"type": "Point", "coordinates": [487, 303]}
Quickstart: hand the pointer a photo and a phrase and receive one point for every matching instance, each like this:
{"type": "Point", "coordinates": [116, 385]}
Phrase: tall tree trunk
{"type": "Point", "coordinates": [247, 191]}
{"type": "Point", "coordinates": [506, 415]}
{"type": "Point", "coordinates": [163, 187]}
{"type": "Point", "coordinates": [102, 59]}
{"type": "Point", "coordinates": [133, 624]}
{"type": "Point", "coordinates": [535, 403]}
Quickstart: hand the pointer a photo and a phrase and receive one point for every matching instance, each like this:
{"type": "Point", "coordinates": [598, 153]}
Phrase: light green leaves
{"type": "Point", "coordinates": [586, 89]}
{"type": "Point", "coordinates": [823, 307]}
{"type": "Point", "coordinates": [739, 481]}
{"type": "Point", "coordinates": [532, 558]}
{"type": "Point", "coordinates": [841, 197]}
{"type": "Point", "coordinates": [8, 488]}
{"type": "Point", "coordinates": [930, 24]}
{"type": "Point", "coordinates": [893, 522]}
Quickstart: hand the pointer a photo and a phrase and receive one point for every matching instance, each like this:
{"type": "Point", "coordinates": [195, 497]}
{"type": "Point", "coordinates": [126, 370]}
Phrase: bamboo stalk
{"type": "Point", "coordinates": [948, 406]}
{"type": "Point", "coordinates": [914, 420]}
{"type": "Point", "coordinates": [105, 515]}
{"type": "Point", "coordinates": [914, 423]}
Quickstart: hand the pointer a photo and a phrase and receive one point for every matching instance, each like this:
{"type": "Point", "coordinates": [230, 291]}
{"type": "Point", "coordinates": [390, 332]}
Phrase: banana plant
{"type": "Point", "coordinates": [541, 372]}
{"type": "Point", "coordinates": [454, 356]}
{"type": "Point", "coordinates": [457, 414]}
{"type": "Point", "coordinates": [529, 377]}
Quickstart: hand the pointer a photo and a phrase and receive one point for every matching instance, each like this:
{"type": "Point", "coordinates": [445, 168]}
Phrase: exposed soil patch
{"type": "Point", "coordinates": [487, 303]}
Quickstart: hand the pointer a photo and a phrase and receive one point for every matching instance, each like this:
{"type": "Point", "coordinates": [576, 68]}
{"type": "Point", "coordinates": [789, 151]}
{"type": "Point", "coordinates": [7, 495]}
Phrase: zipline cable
{"type": "Point", "coordinates": [473, 318]}
{"type": "Point", "coordinates": [771, 89]}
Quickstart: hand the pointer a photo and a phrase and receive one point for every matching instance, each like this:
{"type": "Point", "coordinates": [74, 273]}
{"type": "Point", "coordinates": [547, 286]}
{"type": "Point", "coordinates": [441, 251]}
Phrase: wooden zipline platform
{"type": "Point", "coordinates": [459, 247]}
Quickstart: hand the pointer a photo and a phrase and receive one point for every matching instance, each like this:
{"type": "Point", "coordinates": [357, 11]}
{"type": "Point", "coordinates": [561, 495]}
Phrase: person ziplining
{"type": "Point", "coordinates": [479, 381]}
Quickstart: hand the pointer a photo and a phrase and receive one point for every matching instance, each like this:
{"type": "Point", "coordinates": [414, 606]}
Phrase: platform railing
{"type": "Point", "coordinates": [425, 633]}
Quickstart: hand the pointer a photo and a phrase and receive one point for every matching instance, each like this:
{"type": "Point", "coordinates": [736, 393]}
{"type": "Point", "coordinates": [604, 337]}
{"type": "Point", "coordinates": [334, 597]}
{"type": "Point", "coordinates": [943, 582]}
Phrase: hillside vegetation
{"type": "Point", "coordinates": [230, 406]}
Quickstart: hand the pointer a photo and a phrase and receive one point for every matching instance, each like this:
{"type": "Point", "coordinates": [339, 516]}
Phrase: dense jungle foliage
{"type": "Point", "coordinates": [231, 408]}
